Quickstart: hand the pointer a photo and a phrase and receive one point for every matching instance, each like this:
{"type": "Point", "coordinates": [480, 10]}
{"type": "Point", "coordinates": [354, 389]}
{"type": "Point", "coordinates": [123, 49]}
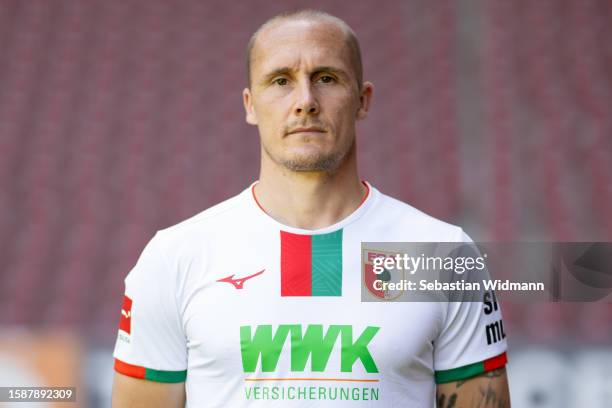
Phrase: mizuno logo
{"type": "Point", "coordinates": [127, 314]}
{"type": "Point", "coordinates": [239, 283]}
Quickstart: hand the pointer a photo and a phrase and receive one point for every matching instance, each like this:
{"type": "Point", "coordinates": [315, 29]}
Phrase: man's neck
{"type": "Point", "coordinates": [309, 200]}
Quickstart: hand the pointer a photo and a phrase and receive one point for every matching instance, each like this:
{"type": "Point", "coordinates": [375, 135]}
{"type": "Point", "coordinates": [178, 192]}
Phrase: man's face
{"type": "Point", "coordinates": [304, 95]}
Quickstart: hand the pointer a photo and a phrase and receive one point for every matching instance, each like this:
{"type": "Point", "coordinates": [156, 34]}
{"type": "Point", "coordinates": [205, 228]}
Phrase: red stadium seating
{"type": "Point", "coordinates": [119, 118]}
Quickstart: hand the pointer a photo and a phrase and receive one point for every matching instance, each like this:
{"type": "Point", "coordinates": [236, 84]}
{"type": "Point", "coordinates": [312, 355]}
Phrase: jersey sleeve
{"type": "Point", "coordinates": [151, 343]}
{"type": "Point", "coordinates": [472, 339]}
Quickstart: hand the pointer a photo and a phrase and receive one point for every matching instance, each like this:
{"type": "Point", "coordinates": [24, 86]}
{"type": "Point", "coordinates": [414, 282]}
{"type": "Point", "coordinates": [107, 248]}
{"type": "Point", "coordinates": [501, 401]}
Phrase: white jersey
{"type": "Point", "coordinates": [250, 312]}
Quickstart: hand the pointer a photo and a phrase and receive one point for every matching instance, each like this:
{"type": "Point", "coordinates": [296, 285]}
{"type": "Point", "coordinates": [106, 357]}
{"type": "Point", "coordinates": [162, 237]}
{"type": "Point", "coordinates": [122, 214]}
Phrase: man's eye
{"type": "Point", "coordinates": [281, 81]}
{"type": "Point", "coordinates": [326, 79]}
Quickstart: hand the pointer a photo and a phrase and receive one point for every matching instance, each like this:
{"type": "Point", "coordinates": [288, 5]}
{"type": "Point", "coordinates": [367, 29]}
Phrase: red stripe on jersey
{"type": "Point", "coordinates": [365, 197]}
{"type": "Point", "coordinates": [255, 198]}
{"type": "Point", "coordinates": [495, 362]}
{"type": "Point", "coordinates": [129, 369]}
{"type": "Point", "coordinates": [296, 264]}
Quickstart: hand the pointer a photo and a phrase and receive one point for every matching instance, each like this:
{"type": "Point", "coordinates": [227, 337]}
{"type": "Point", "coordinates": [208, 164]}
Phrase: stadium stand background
{"type": "Point", "coordinates": [119, 118]}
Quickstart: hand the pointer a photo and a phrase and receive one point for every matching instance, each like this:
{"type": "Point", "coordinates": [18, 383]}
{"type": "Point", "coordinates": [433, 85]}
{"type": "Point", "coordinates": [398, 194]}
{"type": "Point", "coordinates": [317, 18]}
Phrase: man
{"type": "Point", "coordinates": [257, 300]}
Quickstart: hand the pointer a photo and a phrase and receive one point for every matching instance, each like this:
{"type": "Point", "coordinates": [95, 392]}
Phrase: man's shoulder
{"type": "Point", "coordinates": [413, 223]}
{"type": "Point", "coordinates": [222, 215]}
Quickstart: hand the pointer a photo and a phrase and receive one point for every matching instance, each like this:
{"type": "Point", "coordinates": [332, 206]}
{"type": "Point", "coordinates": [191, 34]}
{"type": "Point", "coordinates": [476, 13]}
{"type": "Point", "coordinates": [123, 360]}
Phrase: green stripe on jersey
{"type": "Point", "coordinates": [471, 370]}
{"type": "Point", "coordinates": [459, 373]}
{"type": "Point", "coordinates": [327, 264]}
{"type": "Point", "coordinates": [165, 376]}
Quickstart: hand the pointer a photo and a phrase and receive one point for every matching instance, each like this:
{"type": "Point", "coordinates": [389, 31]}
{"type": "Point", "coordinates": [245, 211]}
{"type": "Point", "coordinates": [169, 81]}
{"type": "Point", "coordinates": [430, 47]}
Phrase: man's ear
{"type": "Point", "coordinates": [365, 98]}
{"type": "Point", "coordinates": [247, 100]}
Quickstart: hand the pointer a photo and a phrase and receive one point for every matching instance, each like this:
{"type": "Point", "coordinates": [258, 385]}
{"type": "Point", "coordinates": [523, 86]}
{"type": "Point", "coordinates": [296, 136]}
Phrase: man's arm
{"type": "Point", "coordinates": [487, 390]}
{"type": "Point", "coordinates": [129, 392]}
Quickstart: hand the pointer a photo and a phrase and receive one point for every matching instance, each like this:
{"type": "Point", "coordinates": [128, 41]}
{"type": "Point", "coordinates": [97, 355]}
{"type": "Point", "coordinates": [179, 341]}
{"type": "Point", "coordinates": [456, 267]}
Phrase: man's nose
{"type": "Point", "coordinates": [306, 102]}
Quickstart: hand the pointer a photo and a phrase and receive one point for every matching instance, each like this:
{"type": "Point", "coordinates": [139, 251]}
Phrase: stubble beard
{"type": "Point", "coordinates": [316, 162]}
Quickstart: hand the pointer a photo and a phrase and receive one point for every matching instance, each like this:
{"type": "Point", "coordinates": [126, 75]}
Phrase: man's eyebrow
{"type": "Point", "coordinates": [287, 71]}
{"type": "Point", "coordinates": [278, 71]}
{"type": "Point", "coordinates": [331, 70]}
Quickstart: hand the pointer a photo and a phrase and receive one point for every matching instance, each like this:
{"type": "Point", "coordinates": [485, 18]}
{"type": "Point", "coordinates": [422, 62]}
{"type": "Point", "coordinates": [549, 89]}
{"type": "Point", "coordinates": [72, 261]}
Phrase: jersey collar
{"type": "Point", "coordinates": [370, 196]}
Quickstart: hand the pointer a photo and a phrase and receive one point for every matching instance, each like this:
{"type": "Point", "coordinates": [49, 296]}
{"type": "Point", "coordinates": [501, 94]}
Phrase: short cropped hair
{"type": "Point", "coordinates": [312, 15]}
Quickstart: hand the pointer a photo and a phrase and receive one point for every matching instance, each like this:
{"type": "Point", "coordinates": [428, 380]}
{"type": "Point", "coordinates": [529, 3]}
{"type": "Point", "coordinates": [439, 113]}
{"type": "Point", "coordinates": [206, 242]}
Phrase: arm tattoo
{"type": "Point", "coordinates": [491, 399]}
{"type": "Point", "coordinates": [482, 394]}
{"type": "Point", "coordinates": [452, 400]}
{"type": "Point", "coordinates": [489, 374]}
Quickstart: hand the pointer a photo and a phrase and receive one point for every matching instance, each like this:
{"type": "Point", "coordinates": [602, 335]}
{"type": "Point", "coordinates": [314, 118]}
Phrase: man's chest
{"type": "Point", "coordinates": [238, 320]}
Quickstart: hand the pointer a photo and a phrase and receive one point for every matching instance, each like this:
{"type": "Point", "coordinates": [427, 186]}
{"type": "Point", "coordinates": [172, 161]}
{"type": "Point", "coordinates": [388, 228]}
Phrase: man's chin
{"type": "Point", "coordinates": [311, 163]}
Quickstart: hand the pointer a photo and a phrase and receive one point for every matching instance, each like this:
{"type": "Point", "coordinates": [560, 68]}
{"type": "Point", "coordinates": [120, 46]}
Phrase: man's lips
{"type": "Point", "coordinates": [306, 130]}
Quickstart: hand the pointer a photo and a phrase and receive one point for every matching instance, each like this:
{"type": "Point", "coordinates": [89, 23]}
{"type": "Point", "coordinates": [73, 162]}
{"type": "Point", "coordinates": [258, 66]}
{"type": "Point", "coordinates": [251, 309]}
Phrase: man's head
{"type": "Point", "coordinates": [305, 90]}
{"type": "Point", "coordinates": [313, 15]}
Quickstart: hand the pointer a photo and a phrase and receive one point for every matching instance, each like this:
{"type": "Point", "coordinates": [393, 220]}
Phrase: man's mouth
{"type": "Point", "coordinates": [306, 130]}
